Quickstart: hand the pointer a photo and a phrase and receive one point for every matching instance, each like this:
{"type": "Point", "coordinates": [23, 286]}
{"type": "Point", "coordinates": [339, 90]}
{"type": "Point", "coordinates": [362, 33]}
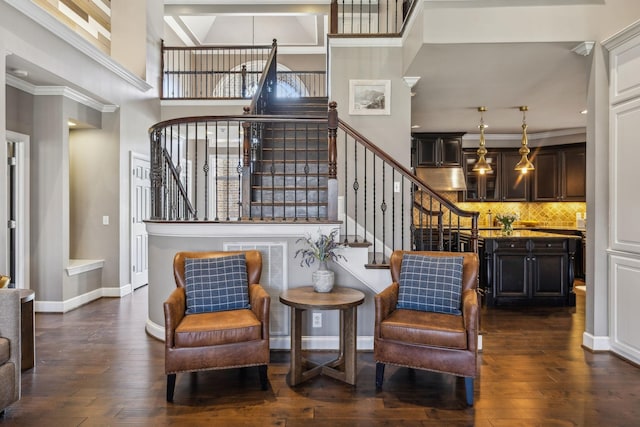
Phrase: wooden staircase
{"type": "Point", "coordinates": [291, 169]}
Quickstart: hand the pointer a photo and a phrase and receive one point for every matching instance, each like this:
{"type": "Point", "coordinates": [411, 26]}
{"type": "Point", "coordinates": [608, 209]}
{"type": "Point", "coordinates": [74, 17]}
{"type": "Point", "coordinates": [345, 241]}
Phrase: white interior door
{"type": "Point", "coordinates": [18, 209]}
{"type": "Point", "coordinates": [140, 209]}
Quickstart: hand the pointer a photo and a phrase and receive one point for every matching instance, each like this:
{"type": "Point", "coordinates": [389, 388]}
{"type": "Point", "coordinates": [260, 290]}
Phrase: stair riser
{"type": "Point", "coordinates": [267, 167]}
{"type": "Point", "coordinates": [289, 212]}
{"type": "Point", "coordinates": [291, 181]}
{"type": "Point", "coordinates": [299, 196]}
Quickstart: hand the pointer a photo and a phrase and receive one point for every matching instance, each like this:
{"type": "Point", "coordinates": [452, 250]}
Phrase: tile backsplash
{"type": "Point", "coordinates": [548, 214]}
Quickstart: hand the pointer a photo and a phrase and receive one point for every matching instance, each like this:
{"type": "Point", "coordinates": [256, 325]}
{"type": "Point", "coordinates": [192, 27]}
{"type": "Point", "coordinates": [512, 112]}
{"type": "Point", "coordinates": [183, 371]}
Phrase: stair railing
{"type": "Point", "coordinates": [369, 18]}
{"type": "Point", "coordinates": [208, 72]}
{"type": "Point", "coordinates": [266, 88]}
{"type": "Point", "coordinates": [207, 168]}
{"type": "Point", "coordinates": [385, 205]}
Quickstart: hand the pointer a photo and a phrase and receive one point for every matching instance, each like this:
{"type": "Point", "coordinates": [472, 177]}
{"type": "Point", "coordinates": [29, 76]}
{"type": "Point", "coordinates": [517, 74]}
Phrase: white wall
{"type": "Point", "coordinates": [74, 65]}
{"type": "Point", "coordinates": [624, 204]}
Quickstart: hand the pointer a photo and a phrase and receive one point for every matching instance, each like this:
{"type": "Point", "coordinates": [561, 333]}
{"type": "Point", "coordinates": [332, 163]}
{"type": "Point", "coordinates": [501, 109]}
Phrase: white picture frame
{"type": "Point", "coordinates": [370, 97]}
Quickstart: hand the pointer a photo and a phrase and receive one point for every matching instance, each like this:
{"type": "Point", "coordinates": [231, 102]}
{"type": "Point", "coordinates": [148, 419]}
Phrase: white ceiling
{"type": "Point", "coordinates": [549, 78]}
{"type": "Point", "coordinates": [455, 79]}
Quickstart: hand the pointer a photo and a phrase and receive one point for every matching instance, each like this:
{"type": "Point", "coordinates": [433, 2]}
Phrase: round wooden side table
{"type": "Point", "coordinates": [340, 298]}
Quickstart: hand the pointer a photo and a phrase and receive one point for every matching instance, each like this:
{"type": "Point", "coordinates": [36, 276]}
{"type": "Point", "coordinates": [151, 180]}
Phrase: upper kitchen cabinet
{"type": "Point", "coordinates": [560, 174]}
{"type": "Point", "coordinates": [437, 149]}
{"type": "Point", "coordinates": [514, 184]}
{"type": "Point", "coordinates": [481, 187]}
{"type": "Point", "coordinates": [574, 174]}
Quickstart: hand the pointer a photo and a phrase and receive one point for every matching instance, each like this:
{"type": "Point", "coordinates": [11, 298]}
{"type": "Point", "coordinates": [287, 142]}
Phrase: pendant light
{"type": "Point", "coordinates": [481, 165]}
{"type": "Point", "coordinates": [524, 165]}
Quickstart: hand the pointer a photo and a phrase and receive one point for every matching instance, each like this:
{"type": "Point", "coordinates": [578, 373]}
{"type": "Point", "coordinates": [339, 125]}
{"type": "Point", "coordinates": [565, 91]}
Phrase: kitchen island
{"type": "Point", "coordinates": [528, 267]}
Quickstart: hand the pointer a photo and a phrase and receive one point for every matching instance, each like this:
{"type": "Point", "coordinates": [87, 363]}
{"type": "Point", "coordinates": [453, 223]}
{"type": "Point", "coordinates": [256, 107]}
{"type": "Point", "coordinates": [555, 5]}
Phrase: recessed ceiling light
{"type": "Point", "coordinates": [415, 126]}
{"type": "Point", "coordinates": [585, 111]}
{"type": "Point", "coordinates": [71, 124]}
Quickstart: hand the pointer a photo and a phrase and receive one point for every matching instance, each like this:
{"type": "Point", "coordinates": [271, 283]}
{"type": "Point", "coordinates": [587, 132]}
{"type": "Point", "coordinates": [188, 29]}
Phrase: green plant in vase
{"type": "Point", "coordinates": [507, 221]}
{"type": "Point", "coordinates": [323, 248]}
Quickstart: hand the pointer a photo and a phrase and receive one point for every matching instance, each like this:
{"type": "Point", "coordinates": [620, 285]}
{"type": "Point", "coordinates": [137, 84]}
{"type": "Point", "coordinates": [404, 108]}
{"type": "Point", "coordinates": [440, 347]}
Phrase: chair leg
{"type": "Point", "coordinates": [379, 374]}
{"type": "Point", "coordinates": [262, 372]}
{"type": "Point", "coordinates": [468, 385]}
{"type": "Point", "coordinates": [171, 384]}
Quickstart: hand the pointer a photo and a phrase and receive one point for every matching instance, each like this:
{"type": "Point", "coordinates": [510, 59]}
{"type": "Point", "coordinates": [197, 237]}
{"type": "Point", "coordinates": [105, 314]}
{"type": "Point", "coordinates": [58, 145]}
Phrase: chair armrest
{"type": "Point", "coordinates": [470, 314]}
{"type": "Point", "coordinates": [174, 309]}
{"type": "Point", "coordinates": [10, 328]}
{"type": "Point", "coordinates": [260, 304]}
{"type": "Point", "coordinates": [385, 303]}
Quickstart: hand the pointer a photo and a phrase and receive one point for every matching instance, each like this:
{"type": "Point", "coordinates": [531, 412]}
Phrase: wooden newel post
{"type": "Point", "coordinates": [244, 81]}
{"type": "Point", "coordinates": [246, 169]}
{"type": "Point", "coordinates": [332, 182]}
{"type": "Point", "coordinates": [333, 17]}
{"type": "Point", "coordinates": [333, 132]}
{"type": "Point", "coordinates": [157, 179]}
{"type": "Point", "coordinates": [474, 234]}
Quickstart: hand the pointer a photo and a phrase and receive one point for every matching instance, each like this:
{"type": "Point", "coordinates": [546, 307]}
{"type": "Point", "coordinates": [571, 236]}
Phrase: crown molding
{"type": "Point", "coordinates": [530, 136]}
{"type": "Point", "coordinates": [47, 21]}
{"type": "Point", "coordinates": [65, 91]}
{"type": "Point", "coordinates": [622, 36]}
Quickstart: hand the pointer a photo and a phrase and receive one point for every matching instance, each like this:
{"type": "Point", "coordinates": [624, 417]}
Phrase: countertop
{"type": "Point", "coordinates": [496, 233]}
{"type": "Point", "coordinates": [522, 234]}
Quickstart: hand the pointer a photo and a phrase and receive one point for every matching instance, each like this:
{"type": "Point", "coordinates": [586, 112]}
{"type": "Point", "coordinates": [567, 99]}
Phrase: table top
{"type": "Point", "coordinates": [306, 298]}
{"type": "Point", "coordinates": [27, 295]}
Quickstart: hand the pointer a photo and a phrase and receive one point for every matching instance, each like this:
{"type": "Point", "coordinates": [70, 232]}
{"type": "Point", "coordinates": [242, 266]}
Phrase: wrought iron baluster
{"type": "Point", "coordinates": [346, 193]}
{"type": "Point", "coordinates": [373, 205]}
{"type": "Point", "coordinates": [383, 208]}
{"type": "Point", "coordinates": [356, 187]}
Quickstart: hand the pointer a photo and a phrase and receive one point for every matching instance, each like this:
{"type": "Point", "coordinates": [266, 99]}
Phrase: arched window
{"type": "Point", "coordinates": [230, 85]}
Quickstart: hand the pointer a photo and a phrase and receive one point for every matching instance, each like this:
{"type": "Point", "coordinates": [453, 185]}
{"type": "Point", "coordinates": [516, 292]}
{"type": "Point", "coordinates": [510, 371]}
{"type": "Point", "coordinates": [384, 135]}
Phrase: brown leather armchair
{"type": "Point", "coordinates": [425, 340]}
{"type": "Point", "coordinates": [216, 340]}
{"type": "Point", "coordinates": [10, 347]}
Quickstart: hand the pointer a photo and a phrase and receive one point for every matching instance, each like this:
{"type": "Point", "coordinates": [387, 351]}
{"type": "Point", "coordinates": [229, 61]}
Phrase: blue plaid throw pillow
{"type": "Point", "coordinates": [216, 284]}
{"type": "Point", "coordinates": [430, 283]}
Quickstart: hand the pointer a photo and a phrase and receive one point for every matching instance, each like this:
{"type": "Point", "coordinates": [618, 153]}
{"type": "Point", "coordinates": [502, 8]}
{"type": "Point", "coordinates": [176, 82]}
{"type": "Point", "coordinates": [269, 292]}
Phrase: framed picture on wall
{"type": "Point", "coordinates": [369, 97]}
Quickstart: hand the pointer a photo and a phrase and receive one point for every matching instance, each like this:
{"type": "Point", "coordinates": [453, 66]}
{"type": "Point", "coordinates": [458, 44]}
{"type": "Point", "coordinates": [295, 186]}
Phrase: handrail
{"type": "Point", "coordinates": [409, 175]}
{"type": "Point", "coordinates": [374, 218]}
{"type": "Point", "coordinates": [262, 92]}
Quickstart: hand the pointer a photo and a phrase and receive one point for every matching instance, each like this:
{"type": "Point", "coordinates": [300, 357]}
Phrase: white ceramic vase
{"type": "Point", "coordinates": [322, 278]}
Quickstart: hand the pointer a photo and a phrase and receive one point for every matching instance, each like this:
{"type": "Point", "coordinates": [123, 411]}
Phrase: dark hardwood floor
{"type": "Point", "coordinates": [97, 367]}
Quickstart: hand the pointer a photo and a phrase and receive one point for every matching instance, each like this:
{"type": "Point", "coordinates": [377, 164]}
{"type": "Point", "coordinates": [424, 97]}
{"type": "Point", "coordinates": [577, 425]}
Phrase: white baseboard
{"type": "Point", "coordinates": [154, 330]}
{"type": "Point", "coordinates": [595, 343]}
{"type": "Point", "coordinates": [75, 302]}
{"type": "Point", "coordinates": [114, 292]}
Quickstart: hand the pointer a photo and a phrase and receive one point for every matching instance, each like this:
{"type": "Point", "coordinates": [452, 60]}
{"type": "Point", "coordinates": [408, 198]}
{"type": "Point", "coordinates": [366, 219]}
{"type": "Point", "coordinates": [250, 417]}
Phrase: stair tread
{"type": "Point", "coordinates": [350, 240]}
{"type": "Point", "coordinates": [312, 175]}
{"type": "Point", "coordinates": [381, 262]}
{"type": "Point", "coordinates": [279, 203]}
{"type": "Point", "coordinates": [291, 187]}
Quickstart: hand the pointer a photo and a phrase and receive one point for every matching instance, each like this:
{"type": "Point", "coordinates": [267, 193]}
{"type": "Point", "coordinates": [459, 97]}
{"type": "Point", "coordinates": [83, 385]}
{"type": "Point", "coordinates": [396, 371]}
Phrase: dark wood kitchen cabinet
{"type": "Point", "coordinates": [530, 270]}
{"type": "Point", "coordinates": [560, 174]}
{"type": "Point", "coordinates": [514, 184]}
{"type": "Point", "coordinates": [503, 183]}
{"type": "Point", "coordinates": [485, 187]}
{"type": "Point", "coordinates": [437, 149]}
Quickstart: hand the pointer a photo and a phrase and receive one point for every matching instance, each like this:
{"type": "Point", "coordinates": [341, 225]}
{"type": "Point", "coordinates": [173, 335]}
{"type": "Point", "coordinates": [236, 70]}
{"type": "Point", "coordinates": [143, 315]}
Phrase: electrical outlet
{"type": "Point", "coordinates": [317, 320]}
{"type": "Point", "coordinates": [396, 187]}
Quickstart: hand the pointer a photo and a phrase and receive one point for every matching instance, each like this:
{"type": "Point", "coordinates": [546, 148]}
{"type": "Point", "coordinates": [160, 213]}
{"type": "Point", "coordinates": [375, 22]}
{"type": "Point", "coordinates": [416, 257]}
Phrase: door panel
{"type": "Point", "coordinates": [140, 211]}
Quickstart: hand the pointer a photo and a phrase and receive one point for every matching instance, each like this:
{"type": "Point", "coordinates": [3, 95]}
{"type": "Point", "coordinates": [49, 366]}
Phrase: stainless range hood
{"type": "Point", "coordinates": [443, 178]}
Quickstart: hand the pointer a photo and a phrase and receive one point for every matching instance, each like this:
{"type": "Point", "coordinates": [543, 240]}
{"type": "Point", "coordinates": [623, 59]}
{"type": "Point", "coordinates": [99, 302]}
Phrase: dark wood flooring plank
{"type": "Point", "coordinates": [96, 366]}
